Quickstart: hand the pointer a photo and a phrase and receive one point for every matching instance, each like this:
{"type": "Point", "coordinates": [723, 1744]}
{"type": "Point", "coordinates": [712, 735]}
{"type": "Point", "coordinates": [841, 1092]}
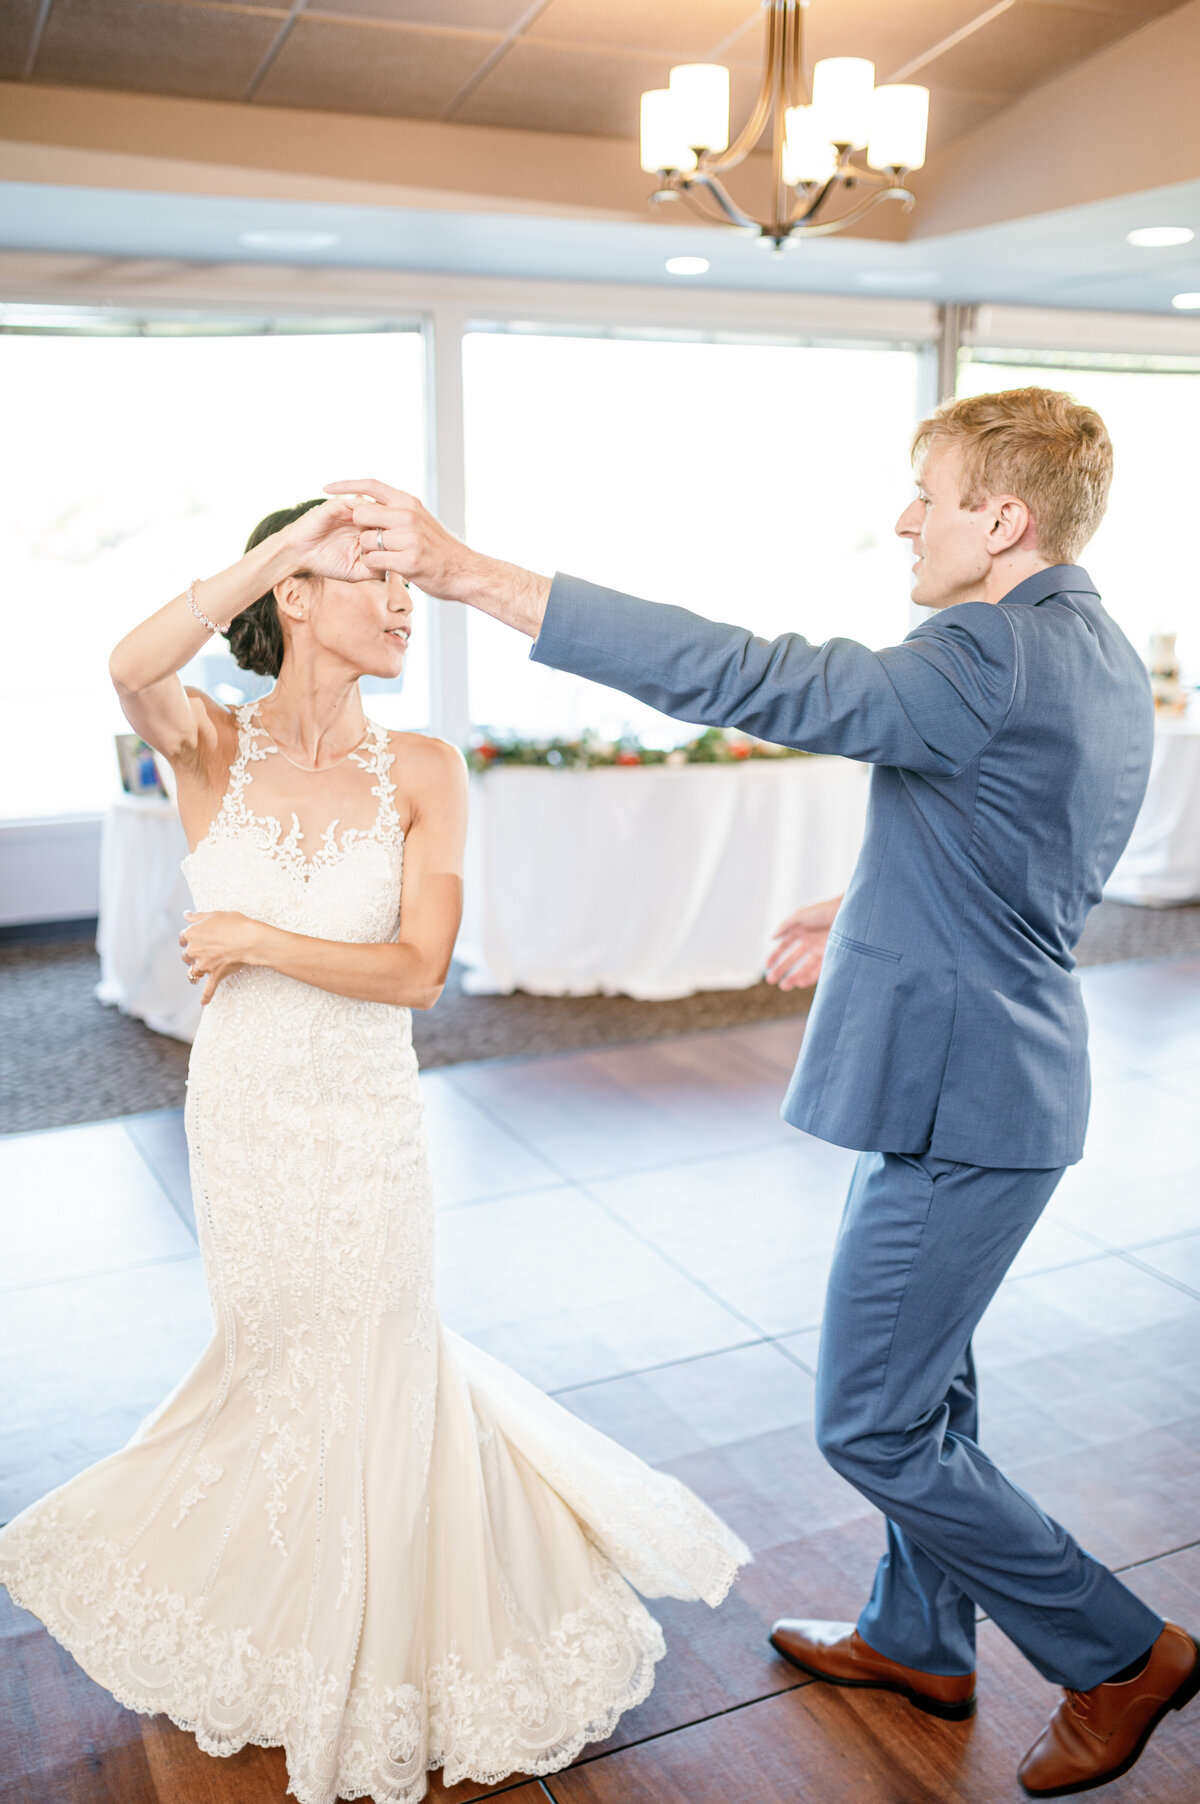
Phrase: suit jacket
{"type": "Point", "coordinates": [1011, 747]}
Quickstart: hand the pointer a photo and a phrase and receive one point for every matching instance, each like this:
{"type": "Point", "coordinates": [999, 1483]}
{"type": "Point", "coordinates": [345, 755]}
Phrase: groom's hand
{"type": "Point", "coordinates": [796, 958]}
{"type": "Point", "coordinates": [396, 532]}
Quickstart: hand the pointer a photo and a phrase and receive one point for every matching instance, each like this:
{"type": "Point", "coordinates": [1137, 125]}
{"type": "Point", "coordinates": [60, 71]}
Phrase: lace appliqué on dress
{"type": "Point", "coordinates": [533, 1712]}
{"type": "Point", "coordinates": [208, 1473]}
{"type": "Point", "coordinates": [284, 1458]}
{"type": "Point", "coordinates": [236, 821]}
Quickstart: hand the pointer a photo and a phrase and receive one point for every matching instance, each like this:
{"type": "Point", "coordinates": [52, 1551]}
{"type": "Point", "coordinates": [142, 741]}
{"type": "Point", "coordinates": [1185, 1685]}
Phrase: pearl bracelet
{"type": "Point", "coordinates": [201, 616]}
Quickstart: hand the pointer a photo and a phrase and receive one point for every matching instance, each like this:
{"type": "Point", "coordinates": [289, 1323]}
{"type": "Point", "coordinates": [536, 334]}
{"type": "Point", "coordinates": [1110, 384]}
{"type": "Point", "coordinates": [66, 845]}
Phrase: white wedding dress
{"type": "Point", "coordinates": [347, 1532]}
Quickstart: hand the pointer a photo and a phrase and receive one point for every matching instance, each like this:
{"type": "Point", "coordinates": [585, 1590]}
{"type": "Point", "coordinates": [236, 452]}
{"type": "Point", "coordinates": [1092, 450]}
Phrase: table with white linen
{"type": "Point", "coordinates": [650, 881]}
{"type": "Point", "coordinates": [1160, 867]}
{"type": "Point", "coordinates": [143, 896]}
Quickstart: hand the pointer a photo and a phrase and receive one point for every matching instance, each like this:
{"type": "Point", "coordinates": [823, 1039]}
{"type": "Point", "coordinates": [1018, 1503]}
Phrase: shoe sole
{"type": "Point", "coordinates": [1178, 1698]}
{"type": "Point", "coordinates": [949, 1713]}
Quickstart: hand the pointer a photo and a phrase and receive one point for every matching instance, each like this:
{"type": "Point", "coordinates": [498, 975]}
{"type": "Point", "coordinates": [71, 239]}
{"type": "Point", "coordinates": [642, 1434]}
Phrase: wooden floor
{"type": "Point", "coordinates": [636, 1231]}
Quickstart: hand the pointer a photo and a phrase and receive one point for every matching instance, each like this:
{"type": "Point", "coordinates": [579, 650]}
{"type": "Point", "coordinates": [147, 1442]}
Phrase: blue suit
{"type": "Point", "coordinates": [947, 1043]}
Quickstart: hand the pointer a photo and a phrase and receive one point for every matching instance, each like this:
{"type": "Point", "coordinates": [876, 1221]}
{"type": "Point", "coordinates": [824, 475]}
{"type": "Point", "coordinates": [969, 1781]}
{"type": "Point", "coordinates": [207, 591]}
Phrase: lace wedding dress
{"type": "Point", "coordinates": [347, 1532]}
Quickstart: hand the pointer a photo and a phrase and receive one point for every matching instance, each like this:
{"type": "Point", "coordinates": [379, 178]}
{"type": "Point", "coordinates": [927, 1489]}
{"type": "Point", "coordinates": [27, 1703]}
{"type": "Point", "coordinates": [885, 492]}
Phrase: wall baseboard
{"type": "Point", "coordinates": [48, 933]}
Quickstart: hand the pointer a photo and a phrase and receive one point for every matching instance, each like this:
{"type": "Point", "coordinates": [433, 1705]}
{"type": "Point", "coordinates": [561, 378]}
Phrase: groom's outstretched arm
{"type": "Point", "coordinates": [930, 704]}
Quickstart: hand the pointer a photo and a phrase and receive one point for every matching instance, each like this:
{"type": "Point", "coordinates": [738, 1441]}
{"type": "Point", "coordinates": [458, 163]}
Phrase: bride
{"type": "Point", "coordinates": [346, 1532]}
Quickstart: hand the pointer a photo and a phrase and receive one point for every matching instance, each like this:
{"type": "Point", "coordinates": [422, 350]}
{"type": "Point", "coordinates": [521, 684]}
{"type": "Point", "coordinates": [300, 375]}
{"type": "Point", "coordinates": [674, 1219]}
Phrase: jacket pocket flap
{"type": "Point", "coordinates": [894, 958]}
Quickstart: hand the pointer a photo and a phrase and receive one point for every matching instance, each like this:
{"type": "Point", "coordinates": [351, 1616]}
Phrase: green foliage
{"type": "Point", "coordinates": [715, 745]}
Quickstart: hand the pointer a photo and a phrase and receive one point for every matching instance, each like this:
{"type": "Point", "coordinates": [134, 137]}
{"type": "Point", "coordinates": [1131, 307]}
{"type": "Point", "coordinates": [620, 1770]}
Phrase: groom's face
{"type": "Point", "coordinates": [949, 541]}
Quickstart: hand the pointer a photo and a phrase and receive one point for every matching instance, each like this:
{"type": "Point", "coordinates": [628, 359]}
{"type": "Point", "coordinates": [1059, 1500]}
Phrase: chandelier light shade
{"type": "Point", "coordinates": [663, 146]}
{"type": "Point", "coordinates": [813, 139]}
{"type": "Point", "coordinates": [842, 88]}
{"type": "Point", "coordinates": [899, 122]}
{"type": "Point", "coordinates": [808, 154]}
{"type": "Point", "coordinates": [699, 98]}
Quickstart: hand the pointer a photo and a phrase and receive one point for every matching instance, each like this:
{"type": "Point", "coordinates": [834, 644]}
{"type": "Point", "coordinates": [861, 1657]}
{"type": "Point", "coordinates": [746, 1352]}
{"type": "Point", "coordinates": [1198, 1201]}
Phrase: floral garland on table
{"type": "Point", "coordinates": [715, 745]}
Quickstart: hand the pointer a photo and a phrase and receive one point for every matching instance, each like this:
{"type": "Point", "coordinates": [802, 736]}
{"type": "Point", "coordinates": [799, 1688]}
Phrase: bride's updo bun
{"type": "Point", "coordinates": [256, 636]}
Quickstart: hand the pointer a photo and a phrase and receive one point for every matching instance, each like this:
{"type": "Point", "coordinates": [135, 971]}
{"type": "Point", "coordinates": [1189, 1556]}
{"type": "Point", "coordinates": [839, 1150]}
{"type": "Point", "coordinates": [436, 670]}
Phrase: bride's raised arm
{"type": "Point", "coordinates": [144, 667]}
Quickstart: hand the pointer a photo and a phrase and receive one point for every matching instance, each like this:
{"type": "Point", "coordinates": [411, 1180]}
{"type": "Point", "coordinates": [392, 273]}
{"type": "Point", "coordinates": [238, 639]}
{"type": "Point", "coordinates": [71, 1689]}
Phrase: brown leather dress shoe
{"type": "Point", "coordinates": [1096, 1735]}
{"type": "Point", "coordinates": [836, 1652]}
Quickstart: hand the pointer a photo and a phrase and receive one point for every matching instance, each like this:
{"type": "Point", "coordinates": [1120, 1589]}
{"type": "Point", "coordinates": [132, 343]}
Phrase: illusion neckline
{"type": "Point", "coordinates": [313, 770]}
{"type": "Point", "coordinates": [233, 817]}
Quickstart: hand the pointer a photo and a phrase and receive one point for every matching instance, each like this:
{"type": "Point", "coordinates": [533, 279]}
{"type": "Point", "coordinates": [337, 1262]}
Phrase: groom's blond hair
{"type": "Point", "coordinates": [1038, 444]}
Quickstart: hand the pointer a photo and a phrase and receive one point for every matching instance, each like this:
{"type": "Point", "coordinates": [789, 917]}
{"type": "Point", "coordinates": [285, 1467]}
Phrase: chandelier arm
{"type": "Point", "coordinates": [752, 131]}
{"type": "Point", "coordinates": [794, 88]}
{"type": "Point", "coordinates": [692, 190]}
{"type": "Point", "coordinates": [812, 206]}
{"type": "Point", "coordinates": [824, 228]}
{"type": "Point", "coordinates": [783, 199]}
{"type": "Point", "coordinates": [809, 208]}
{"type": "Point", "coordinates": [729, 213]}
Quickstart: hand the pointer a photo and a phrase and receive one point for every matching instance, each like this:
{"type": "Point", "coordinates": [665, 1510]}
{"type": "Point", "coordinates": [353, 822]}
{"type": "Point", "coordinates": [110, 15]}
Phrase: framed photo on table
{"type": "Point", "coordinates": [140, 767]}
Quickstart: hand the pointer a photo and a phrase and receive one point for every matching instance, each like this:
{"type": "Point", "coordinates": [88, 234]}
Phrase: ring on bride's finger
{"type": "Point", "coordinates": [379, 537]}
{"type": "Point", "coordinates": [195, 976]}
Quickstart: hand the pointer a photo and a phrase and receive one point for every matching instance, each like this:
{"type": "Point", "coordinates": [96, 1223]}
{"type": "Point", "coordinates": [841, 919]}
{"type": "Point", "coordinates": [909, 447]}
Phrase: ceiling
{"type": "Point", "coordinates": [574, 66]}
{"type": "Point", "coordinates": [405, 133]}
{"type": "Point", "coordinates": [1072, 258]}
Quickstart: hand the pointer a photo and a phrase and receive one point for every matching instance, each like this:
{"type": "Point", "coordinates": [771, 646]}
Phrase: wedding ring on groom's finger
{"type": "Point", "coordinates": [379, 537]}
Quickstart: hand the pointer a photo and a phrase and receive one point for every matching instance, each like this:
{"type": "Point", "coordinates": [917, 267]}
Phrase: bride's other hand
{"type": "Point", "coordinates": [796, 958]}
{"type": "Point", "coordinates": [213, 945]}
{"type": "Point", "coordinates": [326, 542]}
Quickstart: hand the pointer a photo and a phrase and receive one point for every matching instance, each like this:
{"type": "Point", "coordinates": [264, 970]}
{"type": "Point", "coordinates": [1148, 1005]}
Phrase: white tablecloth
{"type": "Point", "coordinates": [653, 881]}
{"type": "Point", "coordinates": [143, 896]}
{"type": "Point", "coordinates": [1160, 867]}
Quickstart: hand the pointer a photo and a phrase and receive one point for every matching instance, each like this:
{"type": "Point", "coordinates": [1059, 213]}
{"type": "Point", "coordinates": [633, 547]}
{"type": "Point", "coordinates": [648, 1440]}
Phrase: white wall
{"type": "Point", "coordinates": [49, 869]}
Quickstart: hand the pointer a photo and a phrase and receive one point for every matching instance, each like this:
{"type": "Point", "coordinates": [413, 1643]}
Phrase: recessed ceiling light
{"type": "Point", "coordinates": [287, 240]}
{"type": "Point", "coordinates": [687, 266]}
{"type": "Point", "coordinates": [1159, 238]}
{"type": "Point", "coordinates": [898, 278]}
{"type": "Point", "coordinates": [1186, 303]}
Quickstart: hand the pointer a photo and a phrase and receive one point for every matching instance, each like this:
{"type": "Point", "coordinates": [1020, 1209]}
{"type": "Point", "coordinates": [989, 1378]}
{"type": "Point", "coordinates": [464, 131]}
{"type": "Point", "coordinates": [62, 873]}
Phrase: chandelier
{"type": "Point", "coordinates": [814, 142]}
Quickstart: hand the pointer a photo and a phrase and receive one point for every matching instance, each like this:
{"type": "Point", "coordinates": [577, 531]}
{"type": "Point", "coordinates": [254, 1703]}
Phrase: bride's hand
{"type": "Point", "coordinates": [326, 542]}
{"type": "Point", "coordinates": [216, 944]}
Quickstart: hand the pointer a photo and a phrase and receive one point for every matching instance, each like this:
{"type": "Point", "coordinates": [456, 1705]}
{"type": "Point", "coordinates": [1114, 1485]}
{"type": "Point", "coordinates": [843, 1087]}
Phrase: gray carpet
{"type": "Point", "coordinates": [65, 1058]}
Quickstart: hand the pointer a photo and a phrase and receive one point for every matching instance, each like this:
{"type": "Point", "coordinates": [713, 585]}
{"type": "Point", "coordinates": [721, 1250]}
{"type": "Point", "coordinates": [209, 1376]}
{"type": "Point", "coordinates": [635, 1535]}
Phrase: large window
{"type": "Point", "coordinates": [131, 463]}
{"type": "Point", "coordinates": [754, 483]}
{"type": "Point", "coordinates": [1142, 559]}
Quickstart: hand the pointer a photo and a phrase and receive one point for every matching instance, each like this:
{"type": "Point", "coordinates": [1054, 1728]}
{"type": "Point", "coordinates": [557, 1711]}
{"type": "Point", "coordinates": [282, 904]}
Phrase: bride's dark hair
{"type": "Point", "coordinates": [256, 636]}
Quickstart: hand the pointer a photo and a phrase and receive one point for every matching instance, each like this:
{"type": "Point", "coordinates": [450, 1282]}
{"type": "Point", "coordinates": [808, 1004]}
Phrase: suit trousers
{"type": "Point", "coordinates": [921, 1251]}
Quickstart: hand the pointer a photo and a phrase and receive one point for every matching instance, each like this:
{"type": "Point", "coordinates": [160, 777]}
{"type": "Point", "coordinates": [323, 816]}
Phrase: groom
{"type": "Point", "coordinates": [1010, 736]}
